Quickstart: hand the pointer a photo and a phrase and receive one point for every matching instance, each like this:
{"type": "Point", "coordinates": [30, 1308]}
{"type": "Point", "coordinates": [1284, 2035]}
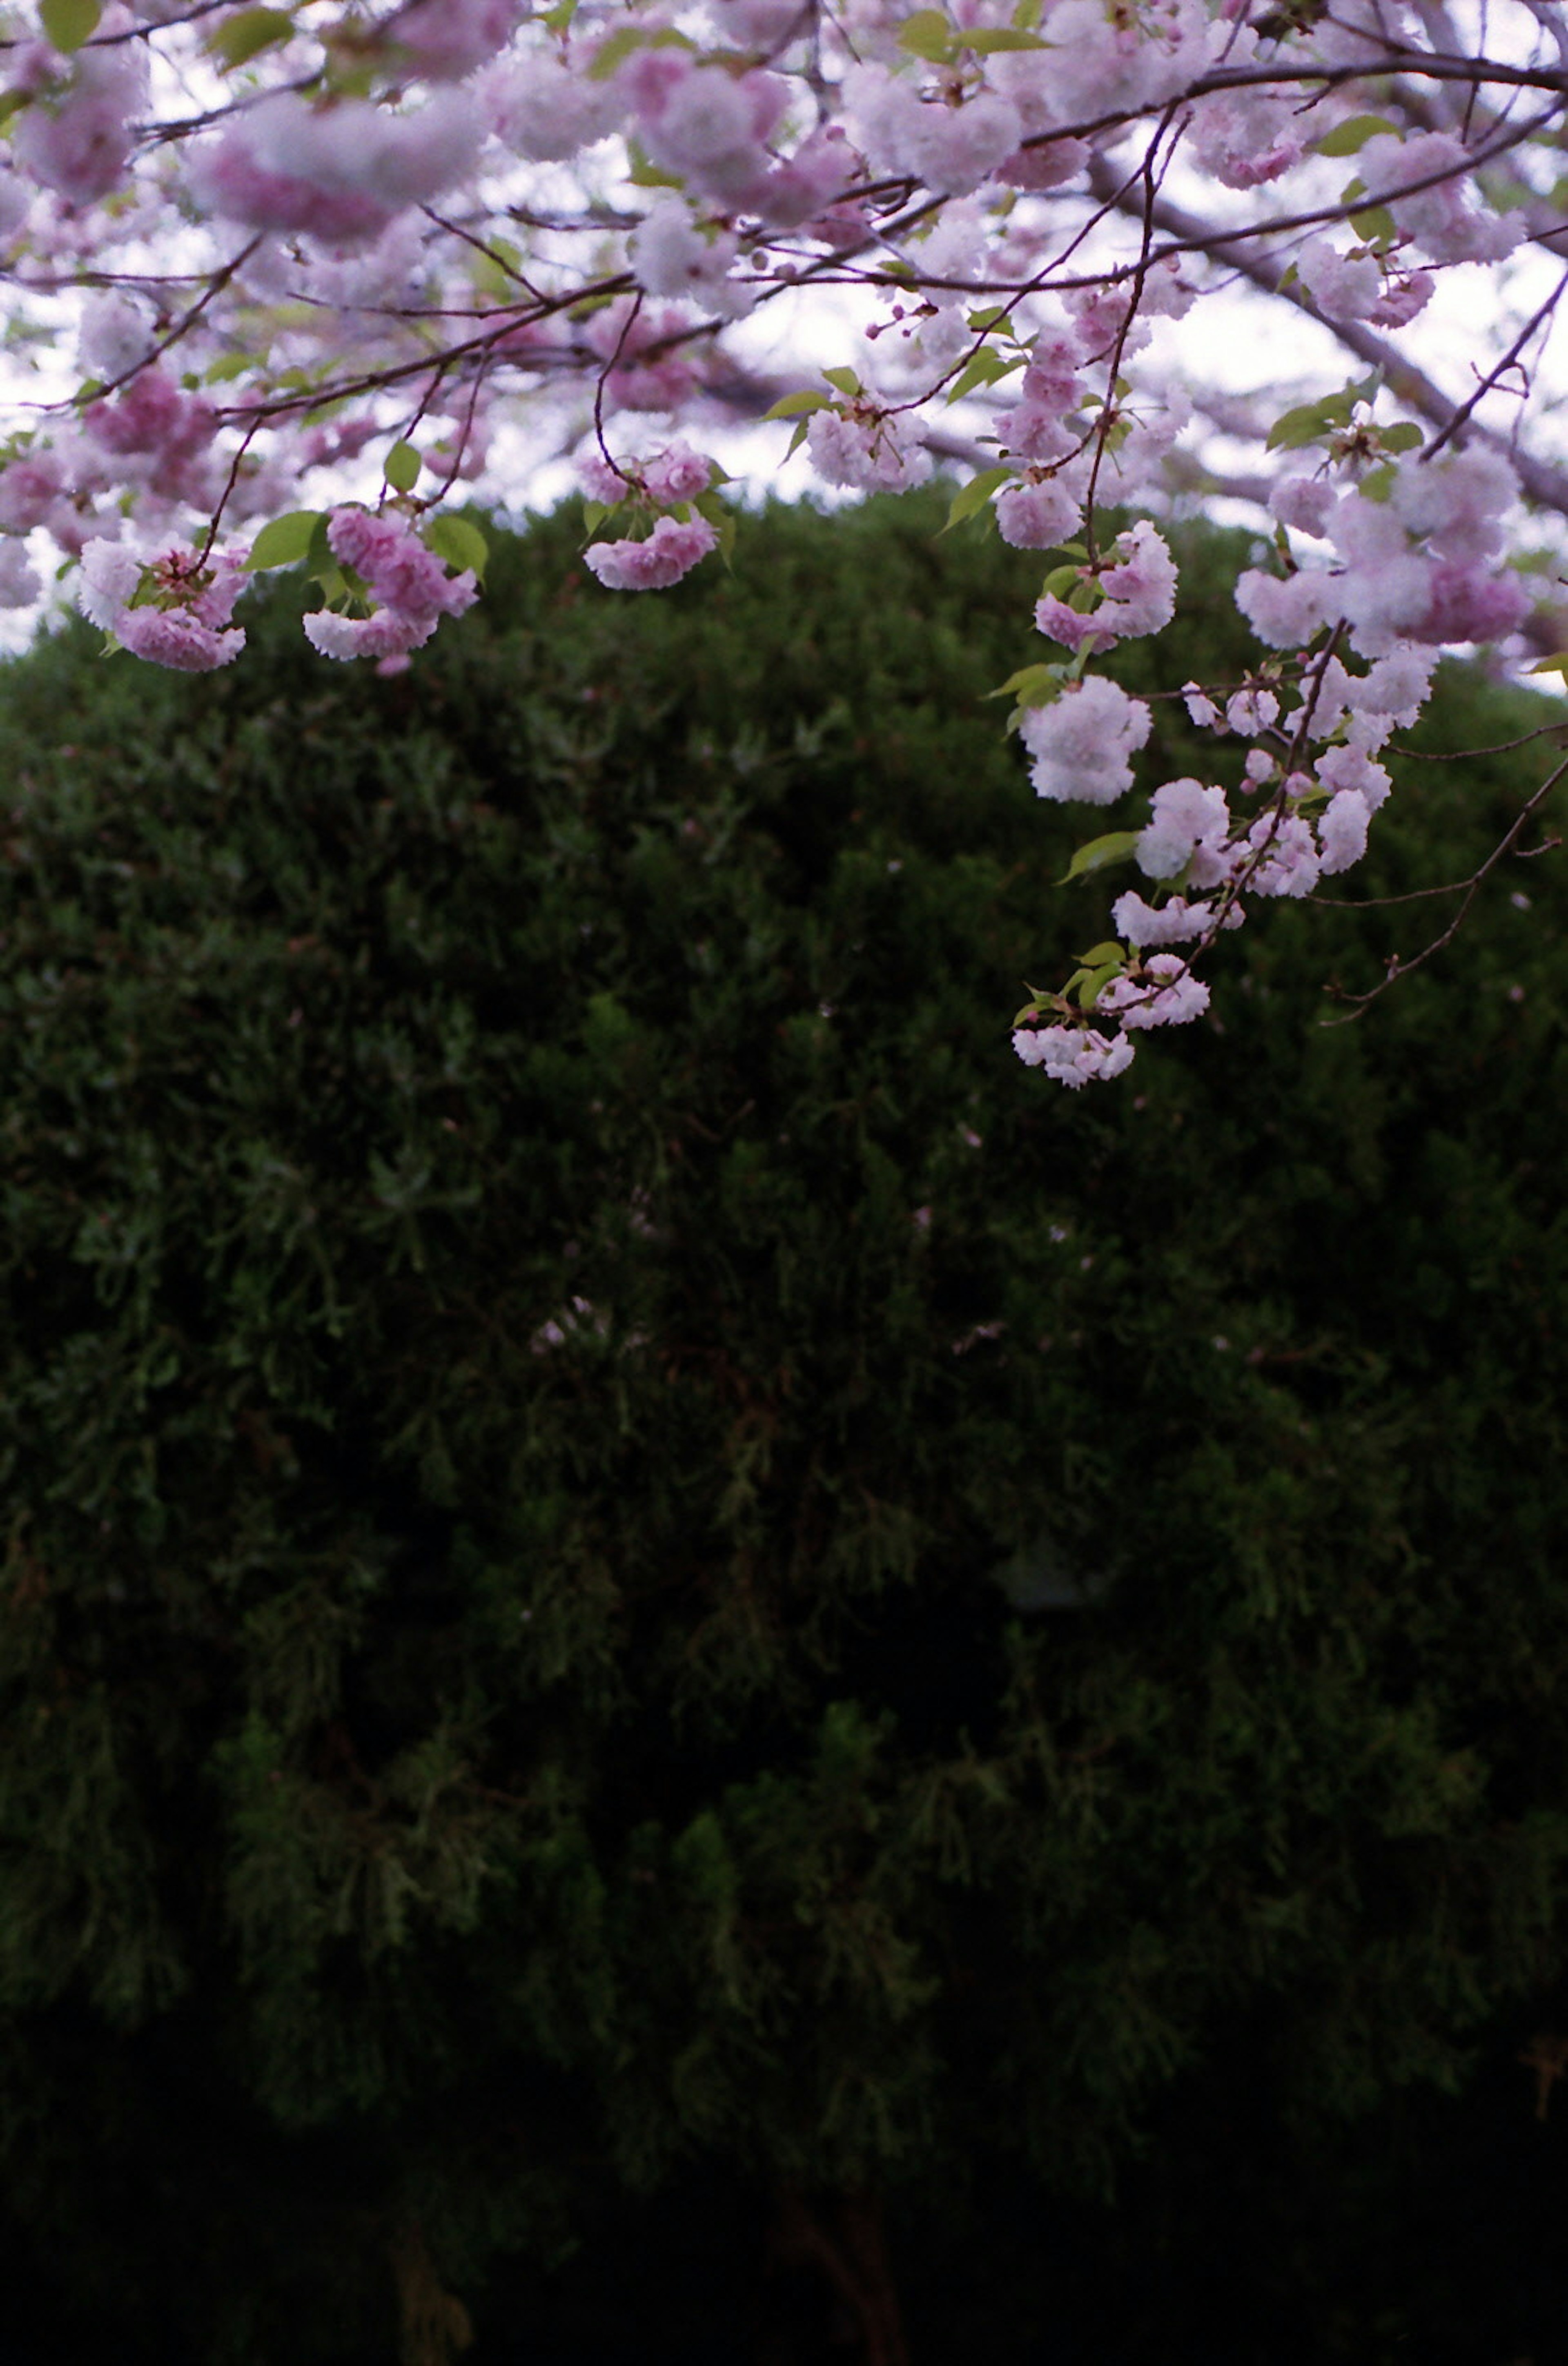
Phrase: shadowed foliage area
{"type": "Point", "coordinates": [683, 1659]}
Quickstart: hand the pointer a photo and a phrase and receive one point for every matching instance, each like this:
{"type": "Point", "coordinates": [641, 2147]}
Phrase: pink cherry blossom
{"type": "Point", "coordinates": [1083, 741]}
{"type": "Point", "coordinates": [670, 551]}
{"type": "Point", "coordinates": [1073, 1055]}
{"type": "Point", "coordinates": [1189, 827]}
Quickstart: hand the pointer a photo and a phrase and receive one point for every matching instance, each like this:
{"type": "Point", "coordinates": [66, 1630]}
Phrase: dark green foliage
{"type": "Point", "coordinates": [633, 1555]}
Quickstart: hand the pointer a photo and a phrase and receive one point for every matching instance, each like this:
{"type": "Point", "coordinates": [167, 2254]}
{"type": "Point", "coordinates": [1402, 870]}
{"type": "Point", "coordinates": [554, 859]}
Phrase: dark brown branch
{"type": "Point", "coordinates": [1466, 888]}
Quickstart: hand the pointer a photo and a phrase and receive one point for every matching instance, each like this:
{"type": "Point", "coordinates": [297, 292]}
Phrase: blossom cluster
{"type": "Point", "coordinates": [345, 254]}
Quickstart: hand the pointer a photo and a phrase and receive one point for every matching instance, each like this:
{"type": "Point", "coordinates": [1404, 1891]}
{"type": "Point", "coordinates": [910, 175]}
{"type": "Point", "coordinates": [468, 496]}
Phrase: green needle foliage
{"type": "Point", "coordinates": [635, 1556]}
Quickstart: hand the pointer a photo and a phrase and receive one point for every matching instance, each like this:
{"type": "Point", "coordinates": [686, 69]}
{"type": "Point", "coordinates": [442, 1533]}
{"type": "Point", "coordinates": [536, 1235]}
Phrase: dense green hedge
{"type": "Point", "coordinates": [634, 1556]}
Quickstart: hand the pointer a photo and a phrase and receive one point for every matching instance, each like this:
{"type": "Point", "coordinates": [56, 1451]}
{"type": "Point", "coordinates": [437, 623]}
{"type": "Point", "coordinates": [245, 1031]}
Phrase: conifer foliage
{"type": "Point", "coordinates": [629, 1558]}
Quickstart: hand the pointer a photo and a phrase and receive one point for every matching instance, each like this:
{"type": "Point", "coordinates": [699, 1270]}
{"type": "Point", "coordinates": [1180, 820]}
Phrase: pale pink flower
{"type": "Point", "coordinates": [1290, 862]}
{"type": "Point", "coordinates": [1472, 603]}
{"type": "Point", "coordinates": [1307, 503]}
{"type": "Point", "coordinates": [447, 39]}
{"type": "Point", "coordinates": [805, 184]}
{"type": "Point", "coordinates": [109, 581]}
{"type": "Point", "coordinates": [1172, 923]}
{"type": "Point", "coordinates": [1342, 831]}
{"type": "Point", "coordinates": [708, 125]}
{"type": "Point", "coordinates": [1038, 514]}
{"type": "Point", "coordinates": [1343, 286]}
{"type": "Point", "coordinates": [1445, 219]}
{"type": "Point", "coordinates": [1073, 1055]}
{"type": "Point", "coordinates": [178, 637]}
{"type": "Point", "coordinates": [1250, 711]}
{"type": "Point", "coordinates": [29, 490]}
{"type": "Point", "coordinates": [546, 109]}
{"type": "Point", "coordinates": [677, 474]}
{"type": "Point", "coordinates": [1139, 596]}
{"type": "Point", "coordinates": [1168, 995]}
{"type": "Point", "coordinates": [671, 258]}
{"type": "Point", "coordinates": [1082, 742]}
{"type": "Point", "coordinates": [639, 379]}
{"type": "Point", "coordinates": [1456, 502]}
{"type": "Point", "coordinates": [956, 148]}
{"type": "Point", "coordinates": [1286, 613]}
{"type": "Point", "coordinates": [20, 584]}
{"type": "Point", "coordinates": [400, 572]}
{"type": "Point", "coordinates": [1189, 827]}
{"type": "Point", "coordinates": [386, 633]}
{"type": "Point", "coordinates": [873, 451]}
{"type": "Point", "coordinates": [671, 550]}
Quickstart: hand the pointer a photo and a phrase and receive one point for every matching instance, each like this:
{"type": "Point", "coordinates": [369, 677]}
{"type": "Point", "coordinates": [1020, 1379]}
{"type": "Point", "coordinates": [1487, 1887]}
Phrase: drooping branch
{"type": "Point", "coordinates": [1237, 251]}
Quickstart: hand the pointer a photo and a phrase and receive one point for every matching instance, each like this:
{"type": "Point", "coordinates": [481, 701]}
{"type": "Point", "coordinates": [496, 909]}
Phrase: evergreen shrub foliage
{"type": "Point", "coordinates": [629, 1546]}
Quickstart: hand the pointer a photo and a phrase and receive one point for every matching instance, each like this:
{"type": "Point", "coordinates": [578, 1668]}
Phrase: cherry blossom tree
{"type": "Point", "coordinates": [328, 271]}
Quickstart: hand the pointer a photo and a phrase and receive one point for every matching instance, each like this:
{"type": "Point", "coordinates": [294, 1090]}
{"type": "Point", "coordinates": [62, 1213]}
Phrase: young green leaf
{"type": "Point", "coordinates": [1100, 853]}
{"type": "Point", "coordinates": [238, 39]}
{"type": "Point", "coordinates": [985, 368]}
{"type": "Point", "coordinates": [284, 541]}
{"type": "Point", "coordinates": [1308, 422]}
{"type": "Point", "coordinates": [791, 405]}
{"type": "Point", "coordinates": [972, 498]}
{"type": "Point", "coordinates": [1375, 226]}
{"type": "Point", "coordinates": [928, 34]}
{"type": "Point", "coordinates": [458, 541]}
{"type": "Point", "coordinates": [1353, 134]}
{"type": "Point", "coordinates": [1001, 37]}
{"type": "Point", "coordinates": [403, 468]}
{"type": "Point", "coordinates": [617, 47]}
{"type": "Point", "coordinates": [844, 380]}
{"type": "Point", "coordinates": [1033, 685]}
{"type": "Point", "coordinates": [1097, 980]}
{"type": "Point", "coordinates": [69, 23]}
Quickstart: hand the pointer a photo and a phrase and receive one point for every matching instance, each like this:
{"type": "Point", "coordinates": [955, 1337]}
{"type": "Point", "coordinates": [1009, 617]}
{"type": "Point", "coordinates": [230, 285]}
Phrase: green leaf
{"type": "Point", "coordinates": [617, 47]}
{"type": "Point", "coordinates": [1099, 955]}
{"type": "Point", "coordinates": [1100, 853]}
{"type": "Point", "coordinates": [1309, 422]}
{"type": "Point", "coordinates": [1403, 437]}
{"type": "Point", "coordinates": [984, 369]}
{"type": "Point", "coordinates": [1061, 580]}
{"type": "Point", "coordinates": [644, 173]}
{"type": "Point", "coordinates": [972, 498]}
{"type": "Point", "coordinates": [284, 541]}
{"type": "Point", "coordinates": [227, 366]}
{"type": "Point", "coordinates": [1033, 685]}
{"type": "Point", "coordinates": [69, 23]}
{"type": "Point", "coordinates": [845, 380]}
{"type": "Point", "coordinates": [994, 316]}
{"type": "Point", "coordinates": [1374, 225]}
{"type": "Point", "coordinates": [402, 466]}
{"type": "Point", "coordinates": [557, 19]}
{"type": "Point", "coordinates": [458, 541]}
{"type": "Point", "coordinates": [791, 405]}
{"type": "Point", "coordinates": [12, 103]}
{"type": "Point", "coordinates": [928, 34]}
{"type": "Point", "coordinates": [321, 562]}
{"type": "Point", "coordinates": [1095, 982]}
{"type": "Point", "coordinates": [1001, 37]}
{"type": "Point", "coordinates": [239, 39]}
{"type": "Point", "coordinates": [1352, 134]}
{"type": "Point", "coordinates": [1557, 664]}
